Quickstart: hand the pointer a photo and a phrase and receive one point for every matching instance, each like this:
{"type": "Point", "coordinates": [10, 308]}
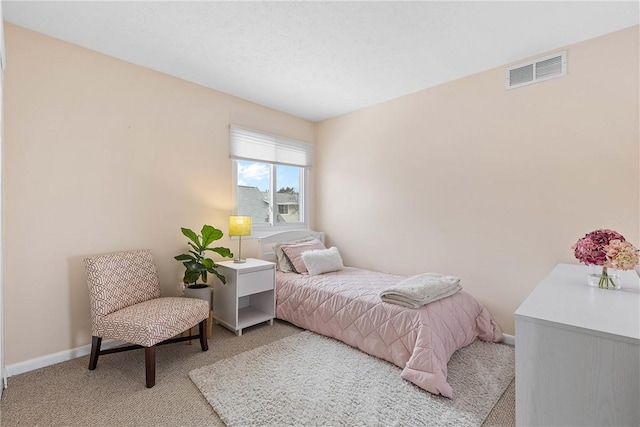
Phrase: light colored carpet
{"type": "Point", "coordinates": [68, 394]}
{"type": "Point", "coordinates": [308, 379]}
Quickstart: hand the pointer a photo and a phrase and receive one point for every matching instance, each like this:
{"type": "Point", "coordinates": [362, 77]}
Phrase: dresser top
{"type": "Point", "coordinates": [563, 298]}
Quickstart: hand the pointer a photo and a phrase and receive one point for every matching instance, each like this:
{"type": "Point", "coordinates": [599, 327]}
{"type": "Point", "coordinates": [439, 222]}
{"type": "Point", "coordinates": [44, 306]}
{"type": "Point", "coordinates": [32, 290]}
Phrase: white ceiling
{"type": "Point", "coordinates": [321, 59]}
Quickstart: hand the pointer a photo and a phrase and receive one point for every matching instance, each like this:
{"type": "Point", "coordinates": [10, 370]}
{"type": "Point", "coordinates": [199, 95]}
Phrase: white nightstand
{"type": "Point", "coordinates": [248, 298]}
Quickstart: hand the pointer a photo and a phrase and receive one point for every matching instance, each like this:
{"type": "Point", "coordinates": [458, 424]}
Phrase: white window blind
{"type": "Point", "coordinates": [249, 144]}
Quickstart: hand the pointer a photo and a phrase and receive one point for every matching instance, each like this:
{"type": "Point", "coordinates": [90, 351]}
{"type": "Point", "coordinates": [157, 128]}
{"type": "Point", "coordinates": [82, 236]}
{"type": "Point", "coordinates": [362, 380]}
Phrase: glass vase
{"type": "Point", "coordinates": [603, 277]}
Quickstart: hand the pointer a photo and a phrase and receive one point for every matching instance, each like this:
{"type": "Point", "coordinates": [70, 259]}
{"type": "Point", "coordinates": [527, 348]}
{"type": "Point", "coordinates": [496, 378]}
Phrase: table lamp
{"type": "Point", "coordinates": [239, 225]}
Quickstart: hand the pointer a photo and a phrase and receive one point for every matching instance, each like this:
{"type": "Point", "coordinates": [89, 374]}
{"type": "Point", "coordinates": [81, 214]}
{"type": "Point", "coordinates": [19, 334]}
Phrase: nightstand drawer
{"type": "Point", "coordinates": [254, 282]}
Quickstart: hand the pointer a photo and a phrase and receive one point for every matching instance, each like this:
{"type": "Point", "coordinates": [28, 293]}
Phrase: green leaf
{"type": "Point", "coordinates": [191, 276]}
{"type": "Point", "coordinates": [196, 249]}
{"type": "Point", "coordinates": [221, 277]}
{"type": "Point", "coordinates": [208, 263]}
{"type": "Point", "coordinates": [209, 235]}
{"type": "Point", "coordinates": [191, 235]}
{"type": "Point", "coordinates": [225, 252]}
{"type": "Point", "coordinates": [184, 257]}
{"type": "Point", "coordinates": [204, 276]}
{"type": "Point", "coordinates": [194, 266]}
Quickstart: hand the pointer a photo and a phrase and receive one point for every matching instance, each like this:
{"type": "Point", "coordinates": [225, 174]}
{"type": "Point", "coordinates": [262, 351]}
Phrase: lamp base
{"type": "Point", "coordinates": [239, 260]}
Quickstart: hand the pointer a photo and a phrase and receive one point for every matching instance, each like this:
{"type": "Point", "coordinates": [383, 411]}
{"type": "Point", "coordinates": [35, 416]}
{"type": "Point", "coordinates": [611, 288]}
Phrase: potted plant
{"type": "Point", "coordinates": [197, 265]}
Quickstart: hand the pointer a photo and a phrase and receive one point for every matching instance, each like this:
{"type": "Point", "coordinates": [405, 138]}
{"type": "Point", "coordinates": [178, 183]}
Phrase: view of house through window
{"type": "Point", "coordinates": [265, 190]}
{"type": "Point", "coordinates": [271, 173]}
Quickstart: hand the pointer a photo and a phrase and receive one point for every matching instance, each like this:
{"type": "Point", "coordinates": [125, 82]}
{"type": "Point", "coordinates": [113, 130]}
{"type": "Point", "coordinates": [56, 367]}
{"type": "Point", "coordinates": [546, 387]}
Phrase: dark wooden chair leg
{"type": "Point", "coordinates": [149, 352]}
{"type": "Point", "coordinates": [203, 335]}
{"type": "Point", "coordinates": [150, 363]}
{"type": "Point", "coordinates": [96, 342]}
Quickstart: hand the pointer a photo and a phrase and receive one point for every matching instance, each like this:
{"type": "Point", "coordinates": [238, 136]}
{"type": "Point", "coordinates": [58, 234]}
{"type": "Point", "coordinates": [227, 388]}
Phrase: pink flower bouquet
{"type": "Point", "coordinates": [608, 249]}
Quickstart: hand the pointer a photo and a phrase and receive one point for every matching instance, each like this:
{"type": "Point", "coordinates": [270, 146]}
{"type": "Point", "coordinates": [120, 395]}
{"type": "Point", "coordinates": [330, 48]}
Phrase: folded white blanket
{"type": "Point", "coordinates": [421, 289]}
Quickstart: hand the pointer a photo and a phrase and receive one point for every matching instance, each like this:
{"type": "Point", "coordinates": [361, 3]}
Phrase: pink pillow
{"type": "Point", "coordinates": [282, 263]}
{"type": "Point", "coordinates": [294, 253]}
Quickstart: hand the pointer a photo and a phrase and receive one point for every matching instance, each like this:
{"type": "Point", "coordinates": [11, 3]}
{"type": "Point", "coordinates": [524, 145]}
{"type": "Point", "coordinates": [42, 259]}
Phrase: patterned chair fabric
{"type": "Point", "coordinates": [126, 303]}
{"type": "Point", "coordinates": [121, 279]}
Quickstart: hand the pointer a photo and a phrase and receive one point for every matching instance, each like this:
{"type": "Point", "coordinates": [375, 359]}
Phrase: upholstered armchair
{"type": "Point", "coordinates": [126, 305]}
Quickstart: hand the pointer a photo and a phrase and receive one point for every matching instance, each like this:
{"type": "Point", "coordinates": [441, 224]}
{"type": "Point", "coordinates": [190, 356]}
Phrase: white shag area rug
{"type": "Point", "coordinates": [307, 379]}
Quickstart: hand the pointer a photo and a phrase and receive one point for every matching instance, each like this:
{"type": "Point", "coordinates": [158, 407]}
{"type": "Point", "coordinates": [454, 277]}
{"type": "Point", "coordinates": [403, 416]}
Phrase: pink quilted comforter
{"type": "Point", "coordinates": [346, 305]}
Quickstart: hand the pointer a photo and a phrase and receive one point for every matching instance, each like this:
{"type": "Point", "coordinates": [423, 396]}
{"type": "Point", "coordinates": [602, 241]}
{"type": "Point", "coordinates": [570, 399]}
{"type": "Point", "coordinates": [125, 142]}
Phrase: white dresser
{"type": "Point", "coordinates": [578, 352]}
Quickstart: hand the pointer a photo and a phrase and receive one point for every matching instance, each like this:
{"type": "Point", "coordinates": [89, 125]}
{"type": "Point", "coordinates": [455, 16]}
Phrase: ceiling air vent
{"type": "Point", "coordinates": [538, 70]}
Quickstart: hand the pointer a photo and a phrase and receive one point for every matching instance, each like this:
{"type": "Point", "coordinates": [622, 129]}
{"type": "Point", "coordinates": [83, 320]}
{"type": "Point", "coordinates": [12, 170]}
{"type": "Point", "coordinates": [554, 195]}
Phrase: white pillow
{"type": "Point", "coordinates": [321, 261]}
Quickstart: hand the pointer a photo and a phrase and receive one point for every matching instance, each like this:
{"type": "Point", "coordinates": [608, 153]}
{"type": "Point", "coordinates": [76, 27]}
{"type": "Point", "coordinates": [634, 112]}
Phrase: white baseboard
{"type": "Point", "coordinates": [52, 359]}
{"type": "Point", "coordinates": [509, 339]}
{"type": "Point", "coordinates": [63, 356]}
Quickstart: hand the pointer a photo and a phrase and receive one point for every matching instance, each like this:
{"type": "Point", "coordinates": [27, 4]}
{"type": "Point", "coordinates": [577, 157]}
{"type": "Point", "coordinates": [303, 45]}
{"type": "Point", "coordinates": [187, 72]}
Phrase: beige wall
{"type": "Point", "coordinates": [490, 185]}
{"type": "Point", "coordinates": [493, 186]}
{"type": "Point", "coordinates": [103, 155]}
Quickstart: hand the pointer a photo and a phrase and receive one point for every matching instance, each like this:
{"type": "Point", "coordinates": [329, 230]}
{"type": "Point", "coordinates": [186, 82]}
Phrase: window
{"type": "Point", "coordinates": [270, 178]}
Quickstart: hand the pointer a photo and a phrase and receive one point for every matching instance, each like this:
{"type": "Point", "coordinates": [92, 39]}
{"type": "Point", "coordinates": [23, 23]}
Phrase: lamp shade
{"type": "Point", "coordinates": [239, 225]}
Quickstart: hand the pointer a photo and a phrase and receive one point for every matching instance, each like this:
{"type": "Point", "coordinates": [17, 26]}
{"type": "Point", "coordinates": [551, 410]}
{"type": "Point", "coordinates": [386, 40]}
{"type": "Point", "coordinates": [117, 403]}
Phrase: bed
{"type": "Point", "coordinates": [346, 305]}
